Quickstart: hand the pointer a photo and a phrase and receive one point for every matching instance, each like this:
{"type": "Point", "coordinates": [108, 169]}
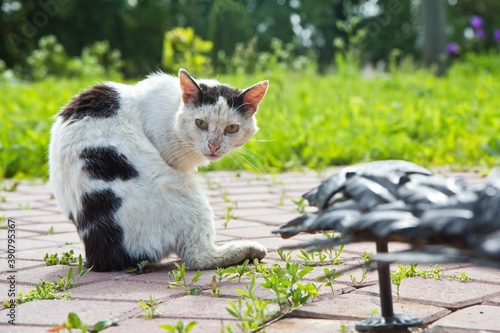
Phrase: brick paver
{"type": "Point", "coordinates": [261, 204]}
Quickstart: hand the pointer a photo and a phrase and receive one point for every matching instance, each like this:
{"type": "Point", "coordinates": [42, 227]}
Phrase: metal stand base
{"type": "Point", "coordinates": [395, 323]}
{"type": "Point", "coordinates": [388, 322]}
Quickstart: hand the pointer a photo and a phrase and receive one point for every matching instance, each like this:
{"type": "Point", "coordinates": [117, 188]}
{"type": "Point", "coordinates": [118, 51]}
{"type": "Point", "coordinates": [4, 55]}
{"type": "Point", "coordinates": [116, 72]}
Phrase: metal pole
{"type": "Point", "coordinates": [384, 281]}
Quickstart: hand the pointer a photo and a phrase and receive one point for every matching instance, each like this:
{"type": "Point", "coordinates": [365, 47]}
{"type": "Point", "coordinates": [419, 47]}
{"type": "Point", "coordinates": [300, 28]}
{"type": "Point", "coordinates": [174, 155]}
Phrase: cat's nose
{"type": "Point", "coordinates": [213, 148]}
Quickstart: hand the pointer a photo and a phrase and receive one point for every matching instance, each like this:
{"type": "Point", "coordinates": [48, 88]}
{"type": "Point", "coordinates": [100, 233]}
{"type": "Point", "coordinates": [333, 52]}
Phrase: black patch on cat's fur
{"type": "Point", "coordinates": [100, 101]}
{"type": "Point", "coordinates": [102, 235]}
{"type": "Point", "coordinates": [106, 163]}
{"type": "Point", "coordinates": [71, 218]}
{"type": "Point", "coordinates": [210, 95]}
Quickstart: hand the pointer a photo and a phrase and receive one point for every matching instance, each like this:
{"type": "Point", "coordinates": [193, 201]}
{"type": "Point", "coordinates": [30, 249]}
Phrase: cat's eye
{"type": "Point", "coordinates": [232, 129]}
{"type": "Point", "coordinates": [201, 124]}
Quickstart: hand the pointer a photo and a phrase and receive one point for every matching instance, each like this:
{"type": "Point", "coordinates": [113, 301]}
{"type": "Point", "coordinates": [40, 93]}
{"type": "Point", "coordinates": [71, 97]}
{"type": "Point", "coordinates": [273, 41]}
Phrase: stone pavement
{"type": "Point", "coordinates": [257, 205]}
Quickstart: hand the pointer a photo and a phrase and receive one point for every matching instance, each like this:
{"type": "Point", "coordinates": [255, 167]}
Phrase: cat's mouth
{"type": "Point", "coordinates": [213, 156]}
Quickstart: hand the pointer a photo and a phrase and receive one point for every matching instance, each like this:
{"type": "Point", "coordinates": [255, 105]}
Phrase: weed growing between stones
{"type": "Point", "coordinates": [149, 310]}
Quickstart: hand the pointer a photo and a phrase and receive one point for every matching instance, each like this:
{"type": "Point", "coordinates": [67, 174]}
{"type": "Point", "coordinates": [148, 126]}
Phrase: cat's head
{"type": "Point", "coordinates": [215, 118]}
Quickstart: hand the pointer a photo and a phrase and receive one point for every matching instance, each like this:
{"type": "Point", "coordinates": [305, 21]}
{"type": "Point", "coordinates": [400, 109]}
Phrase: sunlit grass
{"type": "Point", "coordinates": [308, 120]}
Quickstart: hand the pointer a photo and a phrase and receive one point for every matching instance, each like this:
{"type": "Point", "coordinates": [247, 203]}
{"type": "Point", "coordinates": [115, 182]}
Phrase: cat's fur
{"type": "Point", "coordinates": [123, 160]}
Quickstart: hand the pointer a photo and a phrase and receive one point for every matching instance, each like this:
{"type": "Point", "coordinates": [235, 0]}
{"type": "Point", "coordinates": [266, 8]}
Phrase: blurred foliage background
{"type": "Point", "coordinates": [209, 35]}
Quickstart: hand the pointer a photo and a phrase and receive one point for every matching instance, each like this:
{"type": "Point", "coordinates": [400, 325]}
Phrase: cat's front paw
{"type": "Point", "coordinates": [256, 251]}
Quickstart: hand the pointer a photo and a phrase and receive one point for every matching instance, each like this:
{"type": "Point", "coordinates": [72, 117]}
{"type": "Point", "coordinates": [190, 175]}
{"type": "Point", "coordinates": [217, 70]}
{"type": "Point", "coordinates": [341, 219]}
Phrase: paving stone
{"type": "Point", "coordinates": [275, 220]}
{"type": "Point", "coordinates": [160, 274]}
{"type": "Point", "coordinates": [359, 307]}
{"type": "Point", "coordinates": [273, 242]}
{"type": "Point", "coordinates": [142, 325]}
{"type": "Point", "coordinates": [59, 238]}
{"type": "Point", "coordinates": [221, 204]}
{"type": "Point", "coordinates": [19, 265]}
{"type": "Point", "coordinates": [16, 214]}
{"type": "Point", "coordinates": [36, 274]}
{"type": "Point", "coordinates": [234, 224]}
{"type": "Point", "coordinates": [248, 213]}
{"type": "Point", "coordinates": [55, 312]}
{"type": "Point", "coordinates": [479, 318]}
{"type": "Point", "coordinates": [26, 244]}
{"type": "Point", "coordinates": [7, 328]}
{"type": "Point", "coordinates": [43, 228]}
{"type": "Point", "coordinates": [245, 190]}
{"type": "Point", "coordinates": [39, 253]}
{"type": "Point", "coordinates": [249, 233]}
{"type": "Point", "coordinates": [478, 274]}
{"type": "Point", "coordinates": [302, 325]}
{"type": "Point", "coordinates": [264, 204]}
{"type": "Point", "coordinates": [444, 293]}
{"type": "Point", "coordinates": [124, 290]}
{"type": "Point", "coordinates": [202, 307]}
{"type": "Point", "coordinates": [19, 235]}
{"type": "Point", "coordinates": [48, 218]}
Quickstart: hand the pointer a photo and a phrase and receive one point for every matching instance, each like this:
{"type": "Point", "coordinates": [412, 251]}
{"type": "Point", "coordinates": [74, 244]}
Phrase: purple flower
{"type": "Point", "coordinates": [476, 22]}
{"type": "Point", "coordinates": [480, 34]}
{"type": "Point", "coordinates": [452, 48]}
{"type": "Point", "coordinates": [496, 35]}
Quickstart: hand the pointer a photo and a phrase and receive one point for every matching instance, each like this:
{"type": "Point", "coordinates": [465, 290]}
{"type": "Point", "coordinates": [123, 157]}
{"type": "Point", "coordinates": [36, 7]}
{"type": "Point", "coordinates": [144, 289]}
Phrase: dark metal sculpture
{"type": "Point", "coordinates": [444, 220]}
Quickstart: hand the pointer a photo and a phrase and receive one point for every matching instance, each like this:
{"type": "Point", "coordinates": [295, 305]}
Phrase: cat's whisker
{"type": "Point", "coordinates": [255, 165]}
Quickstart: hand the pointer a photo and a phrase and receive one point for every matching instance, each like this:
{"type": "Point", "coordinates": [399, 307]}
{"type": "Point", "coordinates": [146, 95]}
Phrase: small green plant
{"type": "Point", "coordinates": [373, 312]}
{"type": "Point", "coordinates": [213, 185]}
{"type": "Point", "coordinates": [178, 279]}
{"type": "Point", "coordinates": [25, 206]}
{"type": "Point", "coordinates": [10, 186]}
{"type": "Point", "coordinates": [237, 272]}
{"type": "Point", "coordinates": [432, 273]}
{"type": "Point", "coordinates": [330, 276]}
{"type": "Point", "coordinates": [229, 215]}
{"type": "Point", "coordinates": [67, 258]}
{"type": "Point", "coordinates": [149, 310]}
{"type": "Point", "coordinates": [179, 327]}
{"type": "Point", "coordinates": [344, 328]}
{"type": "Point", "coordinates": [250, 311]}
{"type": "Point", "coordinates": [300, 205]}
{"type": "Point", "coordinates": [365, 267]}
{"type": "Point", "coordinates": [3, 222]}
{"type": "Point", "coordinates": [74, 322]}
{"type": "Point", "coordinates": [333, 253]}
{"type": "Point", "coordinates": [286, 257]}
{"type": "Point", "coordinates": [285, 283]}
{"type": "Point", "coordinates": [306, 257]}
{"type": "Point", "coordinates": [215, 285]}
{"type": "Point", "coordinates": [139, 268]}
{"type": "Point", "coordinates": [51, 230]}
{"type": "Point", "coordinates": [462, 277]}
{"type": "Point", "coordinates": [404, 271]}
{"type": "Point", "coordinates": [282, 197]}
{"type": "Point", "coordinates": [397, 278]}
{"type": "Point", "coordinates": [50, 290]}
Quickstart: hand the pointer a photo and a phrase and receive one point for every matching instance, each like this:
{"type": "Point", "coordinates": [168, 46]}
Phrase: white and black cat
{"type": "Point", "coordinates": [123, 160]}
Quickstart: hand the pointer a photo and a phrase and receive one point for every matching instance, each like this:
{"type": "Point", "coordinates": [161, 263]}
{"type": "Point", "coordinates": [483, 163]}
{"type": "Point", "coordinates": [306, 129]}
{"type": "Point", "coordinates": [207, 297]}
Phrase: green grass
{"type": "Point", "coordinates": [312, 121]}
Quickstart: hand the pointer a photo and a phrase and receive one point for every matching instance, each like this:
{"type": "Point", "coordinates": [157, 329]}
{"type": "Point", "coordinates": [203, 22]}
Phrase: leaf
{"type": "Point", "coordinates": [167, 327]}
{"type": "Point", "coordinates": [144, 304]}
{"type": "Point", "coordinates": [190, 326]}
{"type": "Point", "coordinates": [196, 276]}
{"type": "Point", "coordinates": [103, 324]}
{"type": "Point", "coordinates": [74, 321]}
{"type": "Point", "coordinates": [305, 271]}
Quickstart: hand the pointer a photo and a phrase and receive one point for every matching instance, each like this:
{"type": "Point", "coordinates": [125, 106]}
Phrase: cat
{"type": "Point", "coordinates": [123, 161]}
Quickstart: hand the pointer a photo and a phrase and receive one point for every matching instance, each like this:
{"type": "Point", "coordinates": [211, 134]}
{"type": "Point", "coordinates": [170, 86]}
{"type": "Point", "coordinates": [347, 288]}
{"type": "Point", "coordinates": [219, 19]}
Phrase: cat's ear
{"type": "Point", "coordinates": [254, 95]}
{"type": "Point", "coordinates": [191, 92]}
